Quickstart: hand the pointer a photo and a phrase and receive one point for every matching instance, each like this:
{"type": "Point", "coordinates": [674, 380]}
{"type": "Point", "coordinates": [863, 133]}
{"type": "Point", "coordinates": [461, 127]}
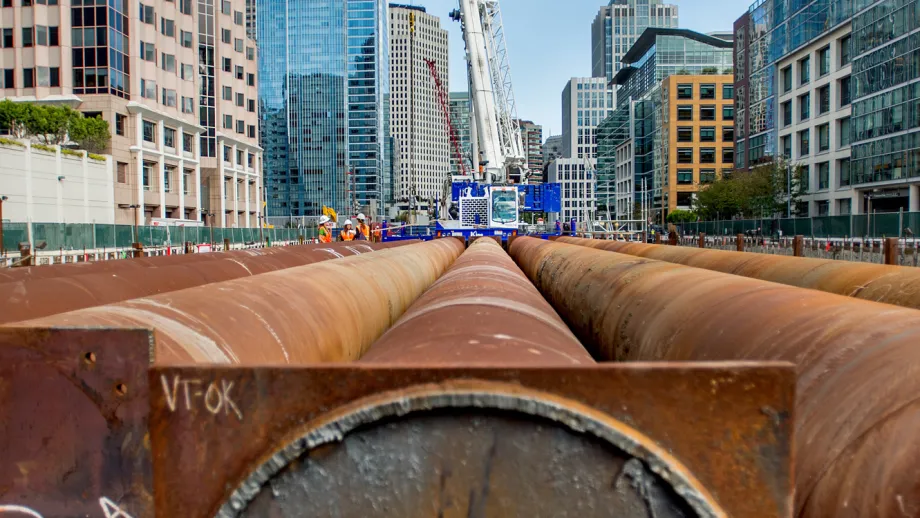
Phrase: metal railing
{"type": "Point", "coordinates": [874, 226]}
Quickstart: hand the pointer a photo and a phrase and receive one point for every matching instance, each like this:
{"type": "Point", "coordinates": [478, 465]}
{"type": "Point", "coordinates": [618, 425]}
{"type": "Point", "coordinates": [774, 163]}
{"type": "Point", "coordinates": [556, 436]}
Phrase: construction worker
{"type": "Point", "coordinates": [325, 234]}
{"type": "Point", "coordinates": [347, 233]}
{"type": "Point", "coordinates": [364, 231]}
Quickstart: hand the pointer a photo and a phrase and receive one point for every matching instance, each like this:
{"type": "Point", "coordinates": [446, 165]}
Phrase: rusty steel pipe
{"type": "Point", "coordinates": [482, 311]}
{"type": "Point", "coordinates": [323, 312]}
{"type": "Point", "coordinates": [31, 298]}
{"type": "Point", "coordinates": [898, 285]}
{"type": "Point", "coordinates": [858, 362]}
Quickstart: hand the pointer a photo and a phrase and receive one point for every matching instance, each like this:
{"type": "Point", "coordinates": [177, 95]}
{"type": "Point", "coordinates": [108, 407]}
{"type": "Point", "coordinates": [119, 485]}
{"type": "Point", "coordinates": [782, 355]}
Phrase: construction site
{"type": "Point", "coordinates": [562, 377]}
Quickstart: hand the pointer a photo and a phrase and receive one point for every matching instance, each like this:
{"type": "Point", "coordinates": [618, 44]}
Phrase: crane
{"type": "Point", "coordinates": [494, 114]}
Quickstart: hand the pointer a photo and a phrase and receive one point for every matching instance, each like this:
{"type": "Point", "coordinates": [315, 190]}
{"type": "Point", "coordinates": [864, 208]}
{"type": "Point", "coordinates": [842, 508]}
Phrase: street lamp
{"type": "Point", "coordinates": [211, 226]}
{"type": "Point", "coordinates": [136, 235]}
{"type": "Point", "coordinates": [2, 248]}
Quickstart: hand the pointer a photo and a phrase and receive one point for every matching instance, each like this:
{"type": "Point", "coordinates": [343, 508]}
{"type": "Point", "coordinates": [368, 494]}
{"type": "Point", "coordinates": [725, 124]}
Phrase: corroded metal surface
{"type": "Point", "coordinates": [898, 285]}
{"type": "Point", "coordinates": [73, 423]}
{"type": "Point", "coordinates": [322, 312]}
{"type": "Point", "coordinates": [94, 284]}
{"type": "Point", "coordinates": [603, 440]}
{"type": "Point", "coordinates": [482, 311]}
{"type": "Point", "coordinates": [858, 362]}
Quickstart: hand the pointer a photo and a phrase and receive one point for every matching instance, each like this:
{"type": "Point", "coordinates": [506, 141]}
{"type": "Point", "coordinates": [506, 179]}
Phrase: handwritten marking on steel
{"type": "Point", "coordinates": [111, 510]}
{"type": "Point", "coordinates": [214, 398]}
{"type": "Point", "coordinates": [18, 509]}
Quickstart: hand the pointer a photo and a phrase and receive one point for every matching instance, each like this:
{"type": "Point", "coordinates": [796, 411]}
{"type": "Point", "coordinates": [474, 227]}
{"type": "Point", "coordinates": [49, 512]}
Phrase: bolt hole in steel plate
{"type": "Point", "coordinates": [471, 455]}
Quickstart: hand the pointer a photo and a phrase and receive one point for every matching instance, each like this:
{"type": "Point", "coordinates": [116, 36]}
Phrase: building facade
{"type": "Point", "coordinates": [552, 149]}
{"type": "Point", "coordinates": [416, 117]}
{"type": "Point", "coordinates": [460, 119]}
{"type": "Point", "coordinates": [809, 45]}
{"type": "Point", "coordinates": [617, 26]}
{"type": "Point", "coordinates": [176, 81]}
{"type": "Point", "coordinates": [586, 101]}
{"type": "Point", "coordinates": [575, 177]}
{"type": "Point", "coordinates": [324, 94]}
{"type": "Point", "coordinates": [698, 135]}
{"type": "Point", "coordinates": [532, 142]}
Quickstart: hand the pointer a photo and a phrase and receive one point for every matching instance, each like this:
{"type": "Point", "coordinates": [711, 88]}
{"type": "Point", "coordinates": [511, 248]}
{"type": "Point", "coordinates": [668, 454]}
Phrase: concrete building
{"type": "Point", "coordinates": [532, 141]}
{"type": "Point", "coordinates": [586, 101]}
{"type": "Point", "coordinates": [618, 25]}
{"type": "Point", "coordinates": [324, 106]}
{"type": "Point", "coordinates": [460, 118]}
{"type": "Point", "coordinates": [698, 135]}
{"type": "Point", "coordinates": [552, 149]}
{"type": "Point", "coordinates": [44, 186]}
{"type": "Point", "coordinates": [416, 116]}
{"type": "Point", "coordinates": [576, 179]}
{"type": "Point", "coordinates": [164, 82]}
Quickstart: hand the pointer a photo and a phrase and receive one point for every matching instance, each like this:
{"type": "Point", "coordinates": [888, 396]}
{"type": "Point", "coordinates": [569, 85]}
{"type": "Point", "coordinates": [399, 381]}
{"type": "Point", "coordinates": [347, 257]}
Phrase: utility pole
{"type": "Point", "coordinates": [2, 248]}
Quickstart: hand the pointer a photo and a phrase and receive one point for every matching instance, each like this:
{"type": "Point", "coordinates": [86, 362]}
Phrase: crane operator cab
{"type": "Point", "coordinates": [504, 209]}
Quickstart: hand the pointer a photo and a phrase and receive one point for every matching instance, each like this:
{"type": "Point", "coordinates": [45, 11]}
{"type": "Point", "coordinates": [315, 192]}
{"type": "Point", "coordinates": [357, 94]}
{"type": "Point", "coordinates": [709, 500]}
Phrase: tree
{"type": "Point", "coordinates": [764, 191]}
{"type": "Point", "coordinates": [90, 133]}
{"type": "Point", "coordinates": [681, 216]}
{"type": "Point", "coordinates": [708, 71]}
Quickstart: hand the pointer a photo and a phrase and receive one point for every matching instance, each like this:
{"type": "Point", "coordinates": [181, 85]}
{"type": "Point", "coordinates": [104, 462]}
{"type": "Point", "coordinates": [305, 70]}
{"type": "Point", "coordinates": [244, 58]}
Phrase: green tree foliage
{"type": "Point", "coordinates": [708, 71]}
{"type": "Point", "coordinates": [760, 192]}
{"type": "Point", "coordinates": [52, 125]}
{"type": "Point", "coordinates": [681, 216]}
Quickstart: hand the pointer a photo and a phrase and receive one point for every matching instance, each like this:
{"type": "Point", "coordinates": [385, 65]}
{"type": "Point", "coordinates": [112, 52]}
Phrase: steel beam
{"type": "Point", "coordinates": [898, 285]}
{"type": "Point", "coordinates": [858, 362]}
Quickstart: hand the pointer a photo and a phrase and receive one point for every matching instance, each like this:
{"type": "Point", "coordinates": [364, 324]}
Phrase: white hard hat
{"type": "Point", "coordinates": [348, 222]}
{"type": "Point", "coordinates": [323, 220]}
{"type": "Point", "coordinates": [361, 217]}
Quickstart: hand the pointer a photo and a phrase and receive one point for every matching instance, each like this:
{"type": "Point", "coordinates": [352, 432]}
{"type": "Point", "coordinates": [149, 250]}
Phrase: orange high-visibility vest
{"type": "Point", "coordinates": [324, 235]}
{"type": "Point", "coordinates": [365, 230]}
{"type": "Point", "coordinates": [347, 235]}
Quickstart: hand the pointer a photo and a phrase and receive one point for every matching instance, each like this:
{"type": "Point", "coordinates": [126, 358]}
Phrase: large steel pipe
{"type": "Point", "coordinates": [857, 411]}
{"type": "Point", "coordinates": [30, 298]}
{"type": "Point", "coordinates": [483, 311]}
{"type": "Point", "coordinates": [324, 312]}
{"type": "Point", "coordinates": [898, 285]}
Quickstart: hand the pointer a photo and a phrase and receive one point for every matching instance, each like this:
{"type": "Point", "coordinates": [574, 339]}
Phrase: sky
{"type": "Point", "coordinates": [549, 42]}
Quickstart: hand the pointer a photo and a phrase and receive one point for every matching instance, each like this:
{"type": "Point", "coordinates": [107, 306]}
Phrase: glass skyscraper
{"type": "Point", "coordinates": [618, 25]}
{"type": "Point", "coordinates": [323, 98]}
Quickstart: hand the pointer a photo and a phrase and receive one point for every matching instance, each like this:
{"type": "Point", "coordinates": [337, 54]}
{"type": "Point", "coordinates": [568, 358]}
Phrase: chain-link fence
{"type": "Point", "coordinates": [875, 226]}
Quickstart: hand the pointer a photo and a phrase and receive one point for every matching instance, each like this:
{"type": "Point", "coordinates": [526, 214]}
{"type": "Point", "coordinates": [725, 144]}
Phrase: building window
{"type": "Point", "coordinates": [787, 78]}
{"type": "Point", "coordinates": [146, 14]}
{"type": "Point", "coordinates": [227, 154]}
{"type": "Point", "coordinates": [9, 78]}
{"type": "Point", "coordinates": [239, 72]}
{"type": "Point", "coordinates": [685, 113]}
{"type": "Point", "coordinates": [684, 177]}
{"type": "Point", "coordinates": [238, 44]}
{"type": "Point", "coordinates": [824, 99]}
{"type": "Point", "coordinates": [225, 35]}
{"type": "Point", "coordinates": [728, 155]}
{"type": "Point", "coordinates": [787, 113]}
{"type": "Point", "coordinates": [250, 160]}
{"type": "Point", "coordinates": [238, 17]}
{"type": "Point", "coordinates": [843, 172]}
{"type": "Point", "coordinates": [228, 122]}
{"type": "Point", "coordinates": [168, 27]}
{"type": "Point", "coordinates": [41, 35]}
{"type": "Point", "coordinates": [707, 134]}
{"type": "Point", "coordinates": [707, 91]}
{"type": "Point", "coordinates": [804, 143]}
{"type": "Point", "coordinates": [250, 105]}
{"type": "Point", "coordinates": [225, 7]}
{"type": "Point", "coordinates": [188, 105]}
{"type": "Point", "coordinates": [728, 112]}
{"type": "Point", "coordinates": [148, 52]}
{"type": "Point", "coordinates": [169, 137]}
{"type": "Point", "coordinates": [186, 39]}
{"type": "Point", "coordinates": [786, 143]}
{"type": "Point", "coordinates": [147, 174]}
{"type": "Point", "coordinates": [251, 79]}
{"type": "Point", "coordinates": [250, 53]}
{"type": "Point", "coordinates": [707, 113]}
{"type": "Point", "coordinates": [707, 155]}
{"type": "Point", "coordinates": [7, 38]}
{"type": "Point", "coordinates": [804, 106]}
{"type": "Point", "coordinates": [168, 62]}
{"type": "Point", "coordinates": [707, 176]}
{"type": "Point", "coordinates": [843, 86]}
{"type": "Point", "coordinates": [28, 78]}
{"type": "Point", "coordinates": [188, 142]}
{"type": "Point", "coordinates": [844, 207]}
{"type": "Point", "coordinates": [185, 6]}
{"type": "Point", "coordinates": [252, 131]}
{"type": "Point", "coordinates": [822, 207]}
{"type": "Point", "coordinates": [227, 93]}
{"type": "Point", "coordinates": [728, 134]}
{"type": "Point", "coordinates": [188, 72]}
{"type": "Point", "coordinates": [823, 138]}
{"type": "Point", "coordinates": [728, 92]}
{"type": "Point", "coordinates": [844, 43]}
{"type": "Point", "coordinates": [186, 180]}
{"type": "Point", "coordinates": [168, 173]}
{"type": "Point", "coordinates": [239, 156]}
{"type": "Point", "coordinates": [120, 124]}
{"type": "Point", "coordinates": [824, 171]}
{"type": "Point", "coordinates": [239, 100]}
{"type": "Point", "coordinates": [684, 134]}
{"type": "Point", "coordinates": [226, 65]}
{"type": "Point", "coordinates": [843, 130]}
{"type": "Point", "coordinates": [684, 155]}
{"type": "Point", "coordinates": [148, 89]}
{"type": "Point", "coordinates": [27, 35]}
{"type": "Point", "coordinates": [121, 174]}
{"type": "Point", "coordinates": [805, 70]}
{"type": "Point", "coordinates": [824, 61]}
{"type": "Point", "coordinates": [150, 131]}
{"type": "Point", "coordinates": [685, 91]}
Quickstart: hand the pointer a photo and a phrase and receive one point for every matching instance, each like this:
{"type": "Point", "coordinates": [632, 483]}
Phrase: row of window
{"type": "Point", "coordinates": [823, 135]}
{"type": "Point", "coordinates": [707, 113]}
{"type": "Point", "coordinates": [27, 3]}
{"type": "Point", "coordinates": [147, 14]}
{"type": "Point", "coordinates": [823, 102]}
{"type": "Point", "coordinates": [685, 177]}
{"type": "Point", "coordinates": [41, 35]}
{"type": "Point", "coordinates": [238, 71]}
{"type": "Point", "coordinates": [707, 91]}
{"type": "Point", "coordinates": [707, 155]}
{"type": "Point", "coordinates": [227, 95]}
{"type": "Point", "coordinates": [707, 134]}
{"type": "Point", "coordinates": [32, 77]}
{"type": "Point", "coordinates": [823, 57]}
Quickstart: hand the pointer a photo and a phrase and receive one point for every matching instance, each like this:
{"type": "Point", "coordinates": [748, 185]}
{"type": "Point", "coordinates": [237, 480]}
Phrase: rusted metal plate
{"type": "Point", "coordinates": [73, 423]}
{"type": "Point", "coordinates": [858, 362]}
{"type": "Point", "coordinates": [638, 440]}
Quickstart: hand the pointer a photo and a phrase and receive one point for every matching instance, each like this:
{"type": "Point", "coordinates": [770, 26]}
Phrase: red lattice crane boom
{"type": "Point", "coordinates": [445, 108]}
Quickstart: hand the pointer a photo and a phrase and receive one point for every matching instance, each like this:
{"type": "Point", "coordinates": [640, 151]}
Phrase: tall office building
{"type": "Point", "coordinates": [552, 149]}
{"type": "Point", "coordinates": [164, 75]}
{"type": "Point", "coordinates": [460, 119]}
{"type": "Point", "coordinates": [532, 142]}
{"type": "Point", "coordinates": [618, 25]}
{"type": "Point", "coordinates": [324, 92]}
{"type": "Point", "coordinates": [416, 116]}
{"type": "Point", "coordinates": [586, 101]}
